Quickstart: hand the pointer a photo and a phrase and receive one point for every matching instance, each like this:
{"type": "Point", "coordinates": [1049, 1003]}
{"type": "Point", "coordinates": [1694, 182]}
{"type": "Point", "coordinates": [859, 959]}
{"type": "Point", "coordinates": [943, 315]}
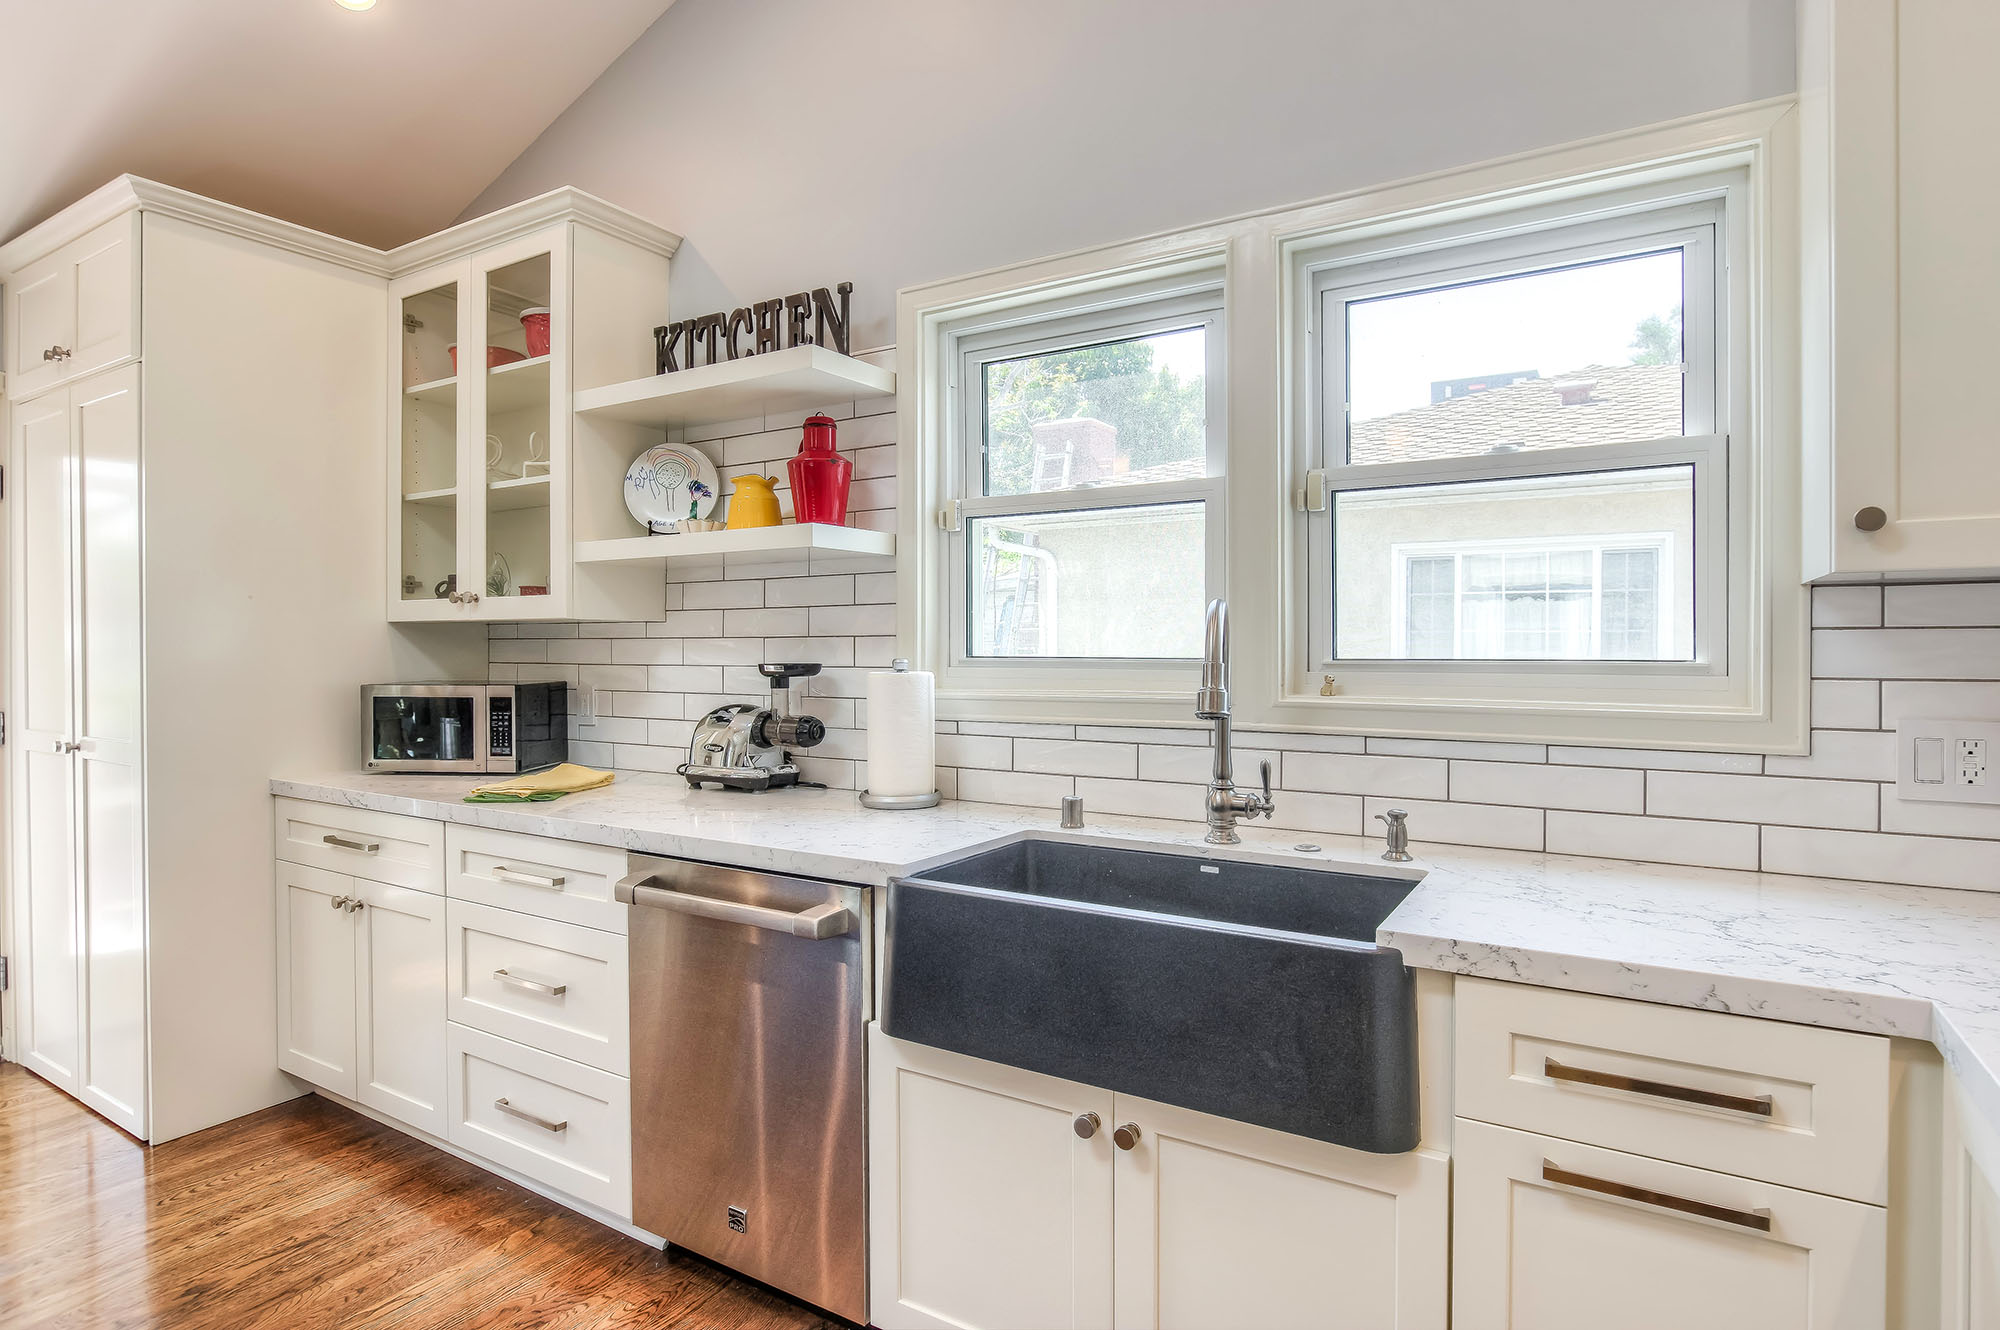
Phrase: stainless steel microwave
{"type": "Point", "coordinates": [446, 727]}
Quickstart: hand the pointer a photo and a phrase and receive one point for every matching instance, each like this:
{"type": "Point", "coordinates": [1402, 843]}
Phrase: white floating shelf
{"type": "Point", "coordinates": [437, 390]}
{"type": "Point", "coordinates": [764, 541]}
{"type": "Point", "coordinates": [799, 378]}
{"type": "Point", "coordinates": [522, 383]}
{"type": "Point", "coordinates": [447, 498]}
{"type": "Point", "coordinates": [504, 496]}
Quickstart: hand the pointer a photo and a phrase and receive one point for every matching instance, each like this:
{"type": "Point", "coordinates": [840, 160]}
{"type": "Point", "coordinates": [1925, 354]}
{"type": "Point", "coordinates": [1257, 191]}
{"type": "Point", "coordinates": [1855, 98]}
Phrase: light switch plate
{"type": "Point", "coordinates": [1948, 761]}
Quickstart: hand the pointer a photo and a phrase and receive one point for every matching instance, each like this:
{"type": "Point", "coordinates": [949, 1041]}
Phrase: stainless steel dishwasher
{"type": "Point", "coordinates": [750, 992]}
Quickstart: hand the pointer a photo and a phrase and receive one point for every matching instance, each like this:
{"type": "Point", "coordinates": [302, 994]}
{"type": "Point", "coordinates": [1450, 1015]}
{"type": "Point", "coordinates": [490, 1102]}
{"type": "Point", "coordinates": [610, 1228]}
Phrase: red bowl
{"type": "Point", "coordinates": [535, 324]}
{"type": "Point", "coordinates": [496, 356]}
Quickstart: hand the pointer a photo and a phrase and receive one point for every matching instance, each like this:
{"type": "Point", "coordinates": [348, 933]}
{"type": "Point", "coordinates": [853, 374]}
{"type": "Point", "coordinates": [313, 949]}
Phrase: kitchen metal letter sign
{"type": "Point", "coordinates": [804, 319]}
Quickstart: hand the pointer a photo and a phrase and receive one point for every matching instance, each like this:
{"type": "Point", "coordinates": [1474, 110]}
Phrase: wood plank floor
{"type": "Point", "coordinates": [307, 1216]}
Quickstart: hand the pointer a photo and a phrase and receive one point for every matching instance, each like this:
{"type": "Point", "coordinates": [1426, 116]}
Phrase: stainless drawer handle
{"type": "Point", "coordinates": [1611, 1080]}
{"type": "Point", "coordinates": [526, 1116]}
{"type": "Point", "coordinates": [521, 879]}
{"type": "Point", "coordinates": [820, 922]}
{"type": "Point", "coordinates": [342, 843]}
{"type": "Point", "coordinates": [553, 990]}
{"type": "Point", "coordinates": [1759, 1219]}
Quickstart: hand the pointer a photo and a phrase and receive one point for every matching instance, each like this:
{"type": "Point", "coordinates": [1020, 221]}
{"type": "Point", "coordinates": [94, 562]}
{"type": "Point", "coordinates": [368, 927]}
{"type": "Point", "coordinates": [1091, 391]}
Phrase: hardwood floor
{"type": "Point", "coordinates": [307, 1216]}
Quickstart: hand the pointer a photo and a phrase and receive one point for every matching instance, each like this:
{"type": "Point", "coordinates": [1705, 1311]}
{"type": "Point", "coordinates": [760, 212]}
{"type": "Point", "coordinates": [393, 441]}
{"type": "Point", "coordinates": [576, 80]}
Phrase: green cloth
{"type": "Point", "coordinates": [530, 797]}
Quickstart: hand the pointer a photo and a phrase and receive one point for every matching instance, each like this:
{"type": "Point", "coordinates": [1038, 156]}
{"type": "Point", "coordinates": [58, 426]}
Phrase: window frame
{"type": "Point", "coordinates": [1123, 312]}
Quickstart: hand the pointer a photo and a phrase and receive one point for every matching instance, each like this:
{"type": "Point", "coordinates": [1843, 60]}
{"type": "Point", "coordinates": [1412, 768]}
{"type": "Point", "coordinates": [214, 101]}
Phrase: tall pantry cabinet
{"type": "Point", "coordinates": [193, 400]}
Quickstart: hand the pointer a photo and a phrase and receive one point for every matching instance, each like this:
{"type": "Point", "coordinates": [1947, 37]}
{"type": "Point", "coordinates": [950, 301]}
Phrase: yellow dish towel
{"type": "Point", "coordinates": [568, 778]}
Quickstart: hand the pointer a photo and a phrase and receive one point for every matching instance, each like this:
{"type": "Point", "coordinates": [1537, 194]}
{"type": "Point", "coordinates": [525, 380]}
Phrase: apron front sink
{"type": "Point", "coordinates": [1251, 991]}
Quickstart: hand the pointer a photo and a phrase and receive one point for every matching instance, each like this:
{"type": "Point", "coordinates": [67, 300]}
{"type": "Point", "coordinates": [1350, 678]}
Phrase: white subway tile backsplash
{"type": "Point", "coordinates": [1663, 840]}
{"type": "Point", "coordinates": [1879, 654]}
{"type": "Point", "coordinates": [1593, 789]}
{"type": "Point", "coordinates": [1338, 773]}
{"type": "Point", "coordinates": [1787, 800]}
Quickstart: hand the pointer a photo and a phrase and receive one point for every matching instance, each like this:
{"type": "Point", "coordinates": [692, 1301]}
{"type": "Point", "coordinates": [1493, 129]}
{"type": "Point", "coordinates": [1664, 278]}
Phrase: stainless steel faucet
{"type": "Point", "coordinates": [1211, 702]}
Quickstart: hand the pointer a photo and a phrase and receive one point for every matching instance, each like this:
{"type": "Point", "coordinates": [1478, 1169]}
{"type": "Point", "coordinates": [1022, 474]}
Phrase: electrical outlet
{"type": "Point", "coordinates": [1945, 761]}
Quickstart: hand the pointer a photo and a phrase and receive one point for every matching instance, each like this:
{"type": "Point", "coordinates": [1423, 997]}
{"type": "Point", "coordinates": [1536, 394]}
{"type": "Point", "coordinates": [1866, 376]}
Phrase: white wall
{"type": "Point", "coordinates": [797, 143]}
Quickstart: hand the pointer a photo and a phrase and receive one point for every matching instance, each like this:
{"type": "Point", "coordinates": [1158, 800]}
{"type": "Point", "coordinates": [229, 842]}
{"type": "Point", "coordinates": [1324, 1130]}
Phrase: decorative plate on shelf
{"type": "Point", "coordinates": [669, 482]}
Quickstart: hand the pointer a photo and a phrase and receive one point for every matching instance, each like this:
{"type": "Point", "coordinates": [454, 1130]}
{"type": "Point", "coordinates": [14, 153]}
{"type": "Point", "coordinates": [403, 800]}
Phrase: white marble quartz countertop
{"type": "Point", "coordinates": [1916, 962]}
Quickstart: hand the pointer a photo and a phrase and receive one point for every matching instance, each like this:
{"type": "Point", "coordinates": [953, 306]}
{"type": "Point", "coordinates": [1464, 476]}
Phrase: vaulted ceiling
{"type": "Point", "coordinates": [379, 126]}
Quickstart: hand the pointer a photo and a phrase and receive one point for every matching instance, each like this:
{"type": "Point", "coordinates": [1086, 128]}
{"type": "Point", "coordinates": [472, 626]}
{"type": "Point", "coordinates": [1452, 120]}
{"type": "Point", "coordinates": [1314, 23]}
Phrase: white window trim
{"type": "Point", "coordinates": [1759, 709]}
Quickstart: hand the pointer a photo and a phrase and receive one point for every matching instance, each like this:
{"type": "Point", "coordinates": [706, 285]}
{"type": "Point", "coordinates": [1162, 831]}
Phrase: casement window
{"type": "Point", "coordinates": [1521, 463]}
{"type": "Point", "coordinates": [1085, 522]}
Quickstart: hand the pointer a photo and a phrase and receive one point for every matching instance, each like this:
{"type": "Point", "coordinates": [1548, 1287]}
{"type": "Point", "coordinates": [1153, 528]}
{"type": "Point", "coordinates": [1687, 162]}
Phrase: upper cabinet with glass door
{"type": "Point", "coordinates": [490, 342]}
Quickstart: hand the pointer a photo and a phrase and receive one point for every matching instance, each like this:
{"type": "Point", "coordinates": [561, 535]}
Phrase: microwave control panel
{"type": "Point", "coordinates": [500, 727]}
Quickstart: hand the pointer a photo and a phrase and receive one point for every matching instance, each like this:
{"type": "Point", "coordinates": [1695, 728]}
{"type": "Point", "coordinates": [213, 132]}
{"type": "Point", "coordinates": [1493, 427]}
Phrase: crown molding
{"type": "Point", "coordinates": [127, 192]}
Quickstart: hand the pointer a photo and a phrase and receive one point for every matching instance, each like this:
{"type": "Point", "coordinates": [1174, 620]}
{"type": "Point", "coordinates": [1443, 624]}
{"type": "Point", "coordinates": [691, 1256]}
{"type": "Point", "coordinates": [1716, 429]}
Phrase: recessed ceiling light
{"type": "Point", "coordinates": [356, 5]}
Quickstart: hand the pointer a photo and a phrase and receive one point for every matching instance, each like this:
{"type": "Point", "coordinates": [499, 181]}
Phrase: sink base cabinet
{"type": "Point", "coordinates": [1541, 1243]}
{"type": "Point", "coordinates": [990, 1210]}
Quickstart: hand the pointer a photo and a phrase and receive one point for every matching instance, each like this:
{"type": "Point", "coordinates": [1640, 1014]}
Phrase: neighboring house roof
{"type": "Point", "coordinates": [1596, 404]}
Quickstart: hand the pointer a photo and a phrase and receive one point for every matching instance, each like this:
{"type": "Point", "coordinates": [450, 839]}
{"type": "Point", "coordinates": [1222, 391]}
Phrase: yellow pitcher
{"type": "Point", "coordinates": [753, 504]}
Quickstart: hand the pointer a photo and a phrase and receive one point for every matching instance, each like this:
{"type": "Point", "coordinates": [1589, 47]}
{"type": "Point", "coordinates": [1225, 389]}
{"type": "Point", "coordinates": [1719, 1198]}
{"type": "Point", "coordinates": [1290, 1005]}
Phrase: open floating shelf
{"type": "Point", "coordinates": [767, 541]}
{"type": "Point", "coordinates": [799, 378]}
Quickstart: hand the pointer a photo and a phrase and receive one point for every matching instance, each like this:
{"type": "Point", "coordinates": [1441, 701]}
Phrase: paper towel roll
{"type": "Point", "coordinates": [902, 733]}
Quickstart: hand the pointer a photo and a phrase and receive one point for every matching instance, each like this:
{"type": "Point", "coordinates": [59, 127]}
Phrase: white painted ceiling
{"type": "Point", "coordinates": [379, 126]}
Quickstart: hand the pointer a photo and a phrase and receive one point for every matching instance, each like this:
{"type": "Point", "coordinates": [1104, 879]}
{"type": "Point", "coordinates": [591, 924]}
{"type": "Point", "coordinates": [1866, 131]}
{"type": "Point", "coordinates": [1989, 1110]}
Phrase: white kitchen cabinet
{"type": "Point", "coordinates": [75, 311]}
{"type": "Point", "coordinates": [1971, 1229]}
{"type": "Point", "coordinates": [1552, 1235]}
{"type": "Point", "coordinates": [316, 1006]}
{"type": "Point", "coordinates": [558, 987]}
{"type": "Point", "coordinates": [484, 475]}
{"type": "Point", "coordinates": [990, 1207]}
{"type": "Point", "coordinates": [1224, 1223]}
{"type": "Point", "coordinates": [1901, 283]}
{"type": "Point", "coordinates": [361, 992]}
{"type": "Point", "coordinates": [79, 878]}
{"type": "Point", "coordinates": [987, 1210]}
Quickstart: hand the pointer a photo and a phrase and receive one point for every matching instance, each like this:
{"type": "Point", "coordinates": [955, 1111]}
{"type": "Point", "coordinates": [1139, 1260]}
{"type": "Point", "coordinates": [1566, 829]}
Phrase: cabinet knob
{"type": "Point", "coordinates": [1086, 1125]}
{"type": "Point", "coordinates": [1871, 519]}
{"type": "Point", "coordinates": [56, 353]}
{"type": "Point", "coordinates": [454, 598]}
{"type": "Point", "coordinates": [1126, 1136]}
{"type": "Point", "coordinates": [472, 598]}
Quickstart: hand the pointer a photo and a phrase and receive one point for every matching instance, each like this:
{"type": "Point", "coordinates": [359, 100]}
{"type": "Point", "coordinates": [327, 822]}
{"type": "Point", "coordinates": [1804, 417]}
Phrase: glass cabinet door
{"type": "Point", "coordinates": [520, 441]}
{"type": "Point", "coordinates": [428, 444]}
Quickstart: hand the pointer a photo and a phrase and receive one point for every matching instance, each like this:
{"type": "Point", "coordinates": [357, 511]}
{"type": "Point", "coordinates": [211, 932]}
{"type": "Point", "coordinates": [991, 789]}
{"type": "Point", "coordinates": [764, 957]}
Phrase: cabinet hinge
{"type": "Point", "coordinates": [947, 516]}
{"type": "Point", "coordinates": [3, 729]}
{"type": "Point", "coordinates": [411, 323]}
{"type": "Point", "coordinates": [1311, 497]}
{"type": "Point", "coordinates": [3, 974]}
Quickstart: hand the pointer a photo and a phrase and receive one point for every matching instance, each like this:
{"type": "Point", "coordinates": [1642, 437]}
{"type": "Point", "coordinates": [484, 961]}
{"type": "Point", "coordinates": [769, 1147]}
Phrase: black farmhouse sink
{"type": "Point", "coordinates": [1252, 991]}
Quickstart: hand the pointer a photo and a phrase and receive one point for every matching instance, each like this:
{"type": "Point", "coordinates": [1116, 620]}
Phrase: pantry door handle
{"type": "Point", "coordinates": [1611, 1080]}
{"type": "Point", "coordinates": [342, 843]}
{"type": "Point", "coordinates": [1759, 1219]}
{"type": "Point", "coordinates": [520, 879]}
{"type": "Point", "coordinates": [553, 990]}
{"type": "Point", "coordinates": [526, 1116]}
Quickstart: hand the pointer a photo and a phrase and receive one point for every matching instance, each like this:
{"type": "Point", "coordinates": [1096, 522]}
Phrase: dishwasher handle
{"type": "Point", "coordinates": [820, 922]}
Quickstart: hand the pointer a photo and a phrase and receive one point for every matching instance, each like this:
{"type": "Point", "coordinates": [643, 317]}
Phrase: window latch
{"type": "Point", "coordinates": [1311, 497]}
{"type": "Point", "coordinates": [947, 516]}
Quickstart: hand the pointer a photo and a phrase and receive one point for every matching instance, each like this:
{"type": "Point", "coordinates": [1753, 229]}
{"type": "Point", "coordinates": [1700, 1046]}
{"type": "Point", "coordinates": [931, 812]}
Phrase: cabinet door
{"type": "Point", "coordinates": [519, 523]}
{"type": "Point", "coordinates": [429, 433]}
{"type": "Point", "coordinates": [399, 987]}
{"type": "Point", "coordinates": [987, 1209]}
{"type": "Point", "coordinates": [1971, 1195]}
{"type": "Point", "coordinates": [77, 310]}
{"type": "Point", "coordinates": [104, 428]}
{"type": "Point", "coordinates": [316, 977]}
{"type": "Point", "coordinates": [1541, 1242]}
{"type": "Point", "coordinates": [1222, 1223]}
{"type": "Point", "coordinates": [47, 976]}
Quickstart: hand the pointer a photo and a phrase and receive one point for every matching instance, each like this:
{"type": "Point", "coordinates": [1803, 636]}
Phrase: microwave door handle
{"type": "Point", "coordinates": [831, 919]}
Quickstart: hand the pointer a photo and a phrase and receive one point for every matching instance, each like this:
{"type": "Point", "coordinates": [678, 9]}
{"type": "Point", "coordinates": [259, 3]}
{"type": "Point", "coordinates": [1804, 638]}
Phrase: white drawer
{"type": "Point", "coordinates": [556, 1121]}
{"type": "Point", "coordinates": [558, 987]}
{"type": "Point", "coordinates": [556, 879]}
{"type": "Point", "coordinates": [382, 847]}
{"type": "Point", "coordinates": [1790, 1104]}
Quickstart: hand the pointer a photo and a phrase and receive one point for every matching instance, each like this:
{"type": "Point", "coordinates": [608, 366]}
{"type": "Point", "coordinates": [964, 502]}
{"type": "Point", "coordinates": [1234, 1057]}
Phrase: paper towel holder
{"type": "Point", "coordinates": [899, 802]}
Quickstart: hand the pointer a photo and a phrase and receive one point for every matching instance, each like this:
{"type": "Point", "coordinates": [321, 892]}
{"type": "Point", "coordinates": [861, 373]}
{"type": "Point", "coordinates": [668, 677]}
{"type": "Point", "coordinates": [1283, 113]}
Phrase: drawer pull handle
{"type": "Point", "coordinates": [521, 879]}
{"type": "Point", "coordinates": [526, 1116]}
{"type": "Point", "coordinates": [1759, 1219]}
{"type": "Point", "coordinates": [342, 843]}
{"type": "Point", "coordinates": [1611, 1080]}
{"type": "Point", "coordinates": [553, 990]}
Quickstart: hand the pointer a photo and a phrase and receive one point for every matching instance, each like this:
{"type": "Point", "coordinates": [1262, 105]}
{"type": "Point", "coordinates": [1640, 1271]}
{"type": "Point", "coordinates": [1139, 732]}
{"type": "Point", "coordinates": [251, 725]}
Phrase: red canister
{"type": "Point", "coordinates": [820, 476]}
